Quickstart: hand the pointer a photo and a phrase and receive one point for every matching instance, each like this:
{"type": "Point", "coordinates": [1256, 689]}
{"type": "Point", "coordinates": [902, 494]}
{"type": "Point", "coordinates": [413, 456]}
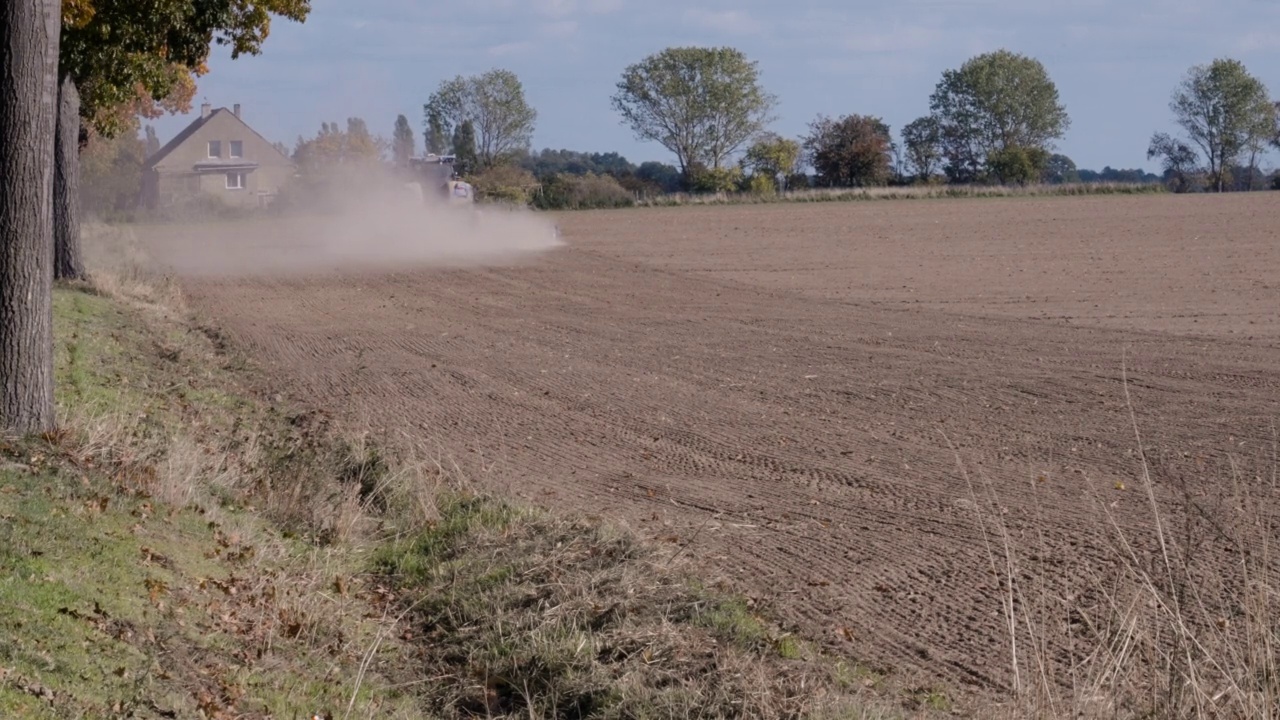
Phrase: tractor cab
{"type": "Point", "coordinates": [436, 176]}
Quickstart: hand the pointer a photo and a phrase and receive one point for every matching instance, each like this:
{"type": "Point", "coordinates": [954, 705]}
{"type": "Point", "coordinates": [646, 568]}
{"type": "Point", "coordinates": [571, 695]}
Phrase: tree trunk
{"type": "Point", "coordinates": [29, 31]}
{"type": "Point", "coordinates": [68, 261]}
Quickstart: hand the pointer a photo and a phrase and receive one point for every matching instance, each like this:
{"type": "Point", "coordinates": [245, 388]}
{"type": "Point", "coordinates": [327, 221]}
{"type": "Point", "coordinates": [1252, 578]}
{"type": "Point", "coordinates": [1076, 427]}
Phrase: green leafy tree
{"type": "Point", "coordinates": [550, 162]}
{"type": "Point", "coordinates": [1224, 111]}
{"type": "Point", "coordinates": [1060, 170]}
{"type": "Point", "coordinates": [702, 104]}
{"type": "Point", "coordinates": [922, 145]}
{"type": "Point", "coordinates": [494, 105]}
{"type": "Point", "coordinates": [994, 102]}
{"type": "Point", "coordinates": [772, 157]}
{"type": "Point", "coordinates": [436, 133]}
{"type": "Point", "coordinates": [853, 151]}
{"type": "Point", "coordinates": [466, 160]}
{"type": "Point", "coordinates": [402, 142]}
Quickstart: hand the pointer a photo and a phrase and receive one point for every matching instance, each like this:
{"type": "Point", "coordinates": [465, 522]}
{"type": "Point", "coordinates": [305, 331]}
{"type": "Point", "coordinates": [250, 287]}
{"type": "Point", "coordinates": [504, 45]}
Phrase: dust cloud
{"type": "Point", "coordinates": [377, 231]}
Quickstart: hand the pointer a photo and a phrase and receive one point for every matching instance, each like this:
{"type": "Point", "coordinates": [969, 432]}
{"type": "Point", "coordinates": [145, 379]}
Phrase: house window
{"type": "Point", "coordinates": [235, 181]}
{"type": "Point", "coordinates": [237, 149]}
{"type": "Point", "coordinates": [215, 148]}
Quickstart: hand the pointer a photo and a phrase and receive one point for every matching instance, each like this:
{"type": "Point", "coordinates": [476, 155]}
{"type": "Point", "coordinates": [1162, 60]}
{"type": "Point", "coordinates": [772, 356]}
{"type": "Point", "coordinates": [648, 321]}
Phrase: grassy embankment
{"type": "Point", "coordinates": [188, 546]}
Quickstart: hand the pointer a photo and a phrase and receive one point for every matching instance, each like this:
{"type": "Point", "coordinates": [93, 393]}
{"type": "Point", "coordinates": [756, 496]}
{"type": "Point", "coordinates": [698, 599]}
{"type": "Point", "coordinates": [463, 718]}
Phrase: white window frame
{"type": "Point", "coordinates": [239, 178]}
{"type": "Point", "coordinates": [210, 148]}
{"type": "Point", "coordinates": [231, 150]}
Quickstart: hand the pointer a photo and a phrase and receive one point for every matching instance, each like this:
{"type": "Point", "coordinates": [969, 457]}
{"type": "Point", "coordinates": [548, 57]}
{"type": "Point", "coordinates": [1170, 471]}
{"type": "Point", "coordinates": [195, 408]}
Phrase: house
{"type": "Point", "coordinates": [218, 156]}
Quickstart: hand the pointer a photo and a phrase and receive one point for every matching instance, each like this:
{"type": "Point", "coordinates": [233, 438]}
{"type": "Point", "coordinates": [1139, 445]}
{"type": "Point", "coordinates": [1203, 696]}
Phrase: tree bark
{"type": "Point", "coordinates": [29, 34]}
{"type": "Point", "coordinates": [68, 261]}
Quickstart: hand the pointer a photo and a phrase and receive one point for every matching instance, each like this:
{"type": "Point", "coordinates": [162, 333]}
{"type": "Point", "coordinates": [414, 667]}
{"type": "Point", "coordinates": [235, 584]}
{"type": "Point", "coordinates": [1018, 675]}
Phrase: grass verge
{"type": "Point", "coordinates": [526, 615]}
{"type": "Point", "coordinates": [139, 575]}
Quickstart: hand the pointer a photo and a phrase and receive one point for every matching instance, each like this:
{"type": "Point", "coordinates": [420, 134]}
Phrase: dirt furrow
{"type": "Point", "coordinates": [847, 410]}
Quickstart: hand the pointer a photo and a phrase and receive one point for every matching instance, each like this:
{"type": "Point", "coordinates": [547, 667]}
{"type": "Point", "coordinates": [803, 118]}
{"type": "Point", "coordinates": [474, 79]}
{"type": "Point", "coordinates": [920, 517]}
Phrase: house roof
{"type": "Point", "coordinates": [191, 129]}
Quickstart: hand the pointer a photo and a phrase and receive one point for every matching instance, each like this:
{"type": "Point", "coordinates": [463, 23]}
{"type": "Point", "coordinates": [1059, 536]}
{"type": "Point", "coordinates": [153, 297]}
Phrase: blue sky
{"type": "Point", "coordinates": [1115, 63]}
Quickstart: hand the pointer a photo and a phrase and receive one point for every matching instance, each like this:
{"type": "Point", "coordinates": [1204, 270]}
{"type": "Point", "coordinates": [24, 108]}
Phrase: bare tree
{"type": "Point", "coordinates": [29, 35]}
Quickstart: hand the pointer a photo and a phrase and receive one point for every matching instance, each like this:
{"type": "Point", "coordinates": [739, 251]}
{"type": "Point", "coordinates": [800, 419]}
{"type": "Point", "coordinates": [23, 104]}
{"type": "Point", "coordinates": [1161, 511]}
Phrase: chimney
{"type": "Point", "coordinates": [205, 110]}
{"type": "Point", "coordinates": [236, 109]}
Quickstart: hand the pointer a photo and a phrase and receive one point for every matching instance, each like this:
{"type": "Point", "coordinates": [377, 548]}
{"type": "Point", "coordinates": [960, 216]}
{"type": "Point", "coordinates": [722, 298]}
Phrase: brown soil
{"type": "Point", "coordinates": [777, 387]}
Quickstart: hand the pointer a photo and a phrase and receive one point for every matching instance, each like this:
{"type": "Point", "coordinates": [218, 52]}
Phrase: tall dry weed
{"type": "Point", "coordinates": [1179, 620]}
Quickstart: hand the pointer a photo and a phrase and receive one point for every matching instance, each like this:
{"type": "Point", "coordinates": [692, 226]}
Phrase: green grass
{"type": "Point", "coordinates": [114, 601]}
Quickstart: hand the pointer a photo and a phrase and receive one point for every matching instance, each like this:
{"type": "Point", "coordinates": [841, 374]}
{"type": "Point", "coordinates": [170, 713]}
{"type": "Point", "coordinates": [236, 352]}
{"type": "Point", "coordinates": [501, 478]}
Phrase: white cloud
{"type": "Point", "coordinates": [728, 22]}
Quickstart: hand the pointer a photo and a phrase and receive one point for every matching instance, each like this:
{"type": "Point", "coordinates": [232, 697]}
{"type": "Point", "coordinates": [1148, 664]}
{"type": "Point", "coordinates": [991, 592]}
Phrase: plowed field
{"type": "Point", "coordinates": [790, 391]}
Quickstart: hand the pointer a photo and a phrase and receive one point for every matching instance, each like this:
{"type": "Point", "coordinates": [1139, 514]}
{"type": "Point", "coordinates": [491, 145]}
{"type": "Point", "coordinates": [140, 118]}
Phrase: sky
{"type": "Point", "coordinates": [1115, 63]}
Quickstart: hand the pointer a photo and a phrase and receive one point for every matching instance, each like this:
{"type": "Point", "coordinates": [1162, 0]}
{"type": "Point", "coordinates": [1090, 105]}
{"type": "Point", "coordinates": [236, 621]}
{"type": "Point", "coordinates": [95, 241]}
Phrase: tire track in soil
{"type": "Point", "coordinates": [804, 430]}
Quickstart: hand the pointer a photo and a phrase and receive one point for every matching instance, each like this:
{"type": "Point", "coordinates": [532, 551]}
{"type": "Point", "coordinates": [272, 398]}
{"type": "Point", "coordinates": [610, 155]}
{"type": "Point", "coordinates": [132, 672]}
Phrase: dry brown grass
{"type": "Point", "coordinates": [120, 268]}
{"type": "Point", "coordinates": [523, 614]}
{"type": "Point", "coordinates": [1181, 623]}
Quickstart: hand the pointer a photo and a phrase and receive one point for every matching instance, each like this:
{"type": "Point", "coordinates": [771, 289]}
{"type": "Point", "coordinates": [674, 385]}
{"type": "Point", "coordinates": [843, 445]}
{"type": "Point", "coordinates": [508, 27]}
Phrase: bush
{"type": "Point", "coordinates": [760, 184]}
{"type": "Point", "coordinates": [504, 183]}
{"type": "Point", "coordinates": [721, 180]}
{"type": "Point", "coordinates": [1017, 165]}
{"type": "Point", "coordinates": [582, 192]}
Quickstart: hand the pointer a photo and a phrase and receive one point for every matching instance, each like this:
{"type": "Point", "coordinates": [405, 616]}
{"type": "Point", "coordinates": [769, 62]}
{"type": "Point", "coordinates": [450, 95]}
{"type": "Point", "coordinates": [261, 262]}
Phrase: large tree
{"type": "Point", "coordinates": [1060, 169]}
{"type": "Point", "coordinates": [995, 102]}
{"type": "Point", "coordinates": [702, 104]}
{"type": "Point", "coordinates": [123, 59]}
{"type": "Point", "coordinates": [29, 36]}
{"type": "Point", "coordinates": [853, 151]}
{"type": "Point", "coordinates": [495, 106]}
{"type": "Point", "coordinates": [1224, 111]}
